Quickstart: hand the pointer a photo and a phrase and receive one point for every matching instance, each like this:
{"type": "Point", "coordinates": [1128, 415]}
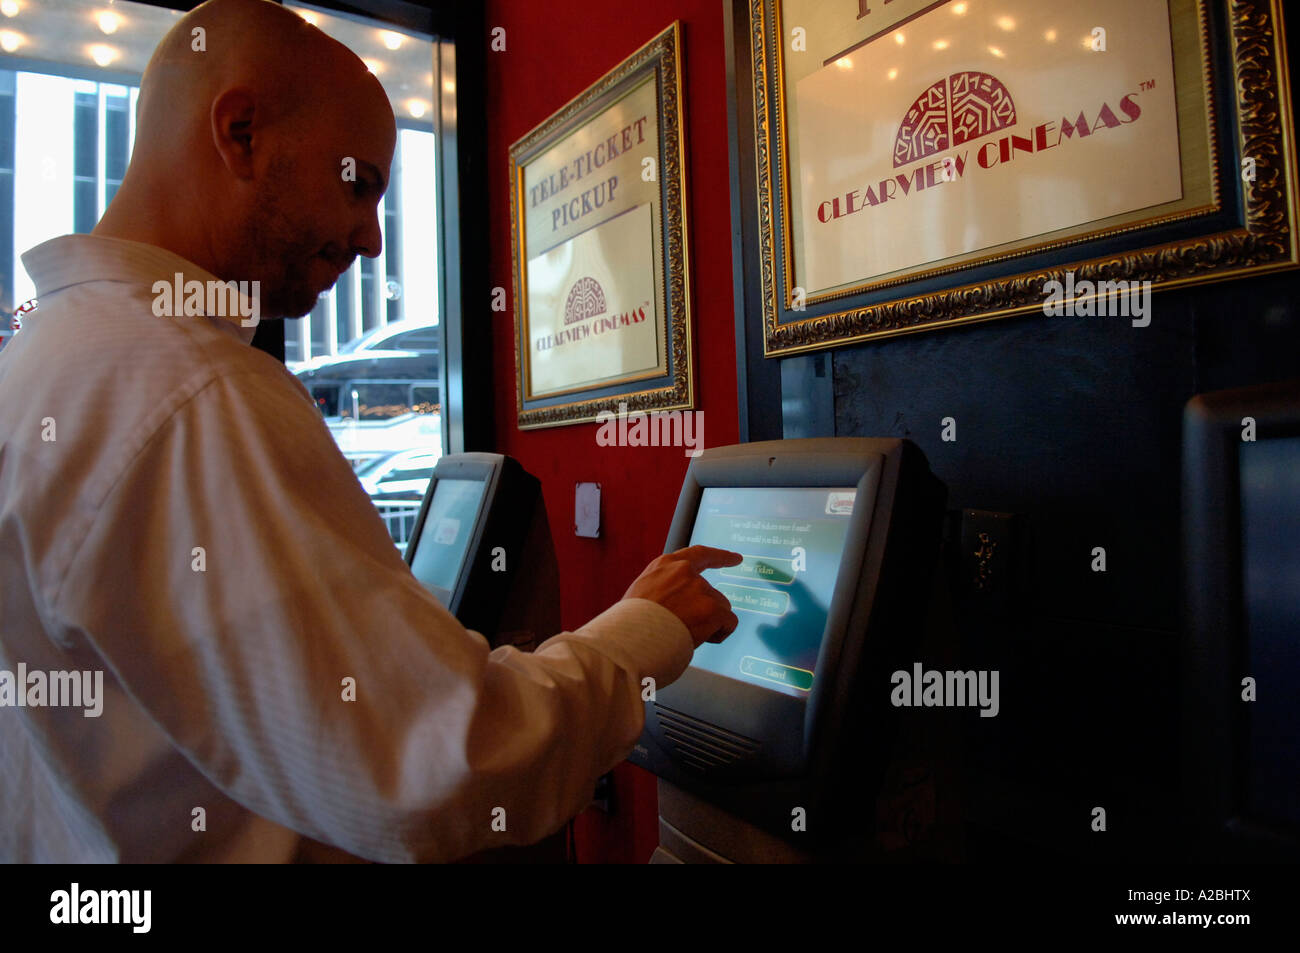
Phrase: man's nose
{"type": "Point", "coordinates": [368, 240]}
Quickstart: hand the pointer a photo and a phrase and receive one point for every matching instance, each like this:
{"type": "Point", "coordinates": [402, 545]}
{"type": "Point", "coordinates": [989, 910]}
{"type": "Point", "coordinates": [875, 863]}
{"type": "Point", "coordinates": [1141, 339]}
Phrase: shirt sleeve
{"type": "Point", "coordinates": [240, 585]}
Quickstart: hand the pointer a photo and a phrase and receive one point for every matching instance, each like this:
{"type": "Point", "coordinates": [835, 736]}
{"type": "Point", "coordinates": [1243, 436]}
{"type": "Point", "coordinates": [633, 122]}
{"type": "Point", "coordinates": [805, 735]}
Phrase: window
{"type": "Point", "coordinates": [417, 474]}
{"type": "Point", "coordinates": [424, 340]}
{"type": "Point", "coordinates": [69, 83]}
{"type": "Point", "coordinates": [399, 284]}
{"type": "Point", "coordinates": [68, 88]}
{"type": "Point", "coordinates": [371, 411]}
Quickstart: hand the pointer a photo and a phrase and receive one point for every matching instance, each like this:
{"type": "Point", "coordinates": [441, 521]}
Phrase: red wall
{"type": "Point", "coordinates": [554, 50]}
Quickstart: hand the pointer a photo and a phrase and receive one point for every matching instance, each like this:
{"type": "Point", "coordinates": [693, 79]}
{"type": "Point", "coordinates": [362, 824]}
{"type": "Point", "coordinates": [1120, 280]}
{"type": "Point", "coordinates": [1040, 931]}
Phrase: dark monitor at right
{"type": "Point", "coordinates": [1241, 673]}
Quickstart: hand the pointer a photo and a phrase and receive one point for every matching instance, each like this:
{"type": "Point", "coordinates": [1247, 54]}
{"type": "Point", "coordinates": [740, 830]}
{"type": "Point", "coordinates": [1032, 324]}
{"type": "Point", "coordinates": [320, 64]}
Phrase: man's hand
{"type": "Point", "coordinates": [673, 580]}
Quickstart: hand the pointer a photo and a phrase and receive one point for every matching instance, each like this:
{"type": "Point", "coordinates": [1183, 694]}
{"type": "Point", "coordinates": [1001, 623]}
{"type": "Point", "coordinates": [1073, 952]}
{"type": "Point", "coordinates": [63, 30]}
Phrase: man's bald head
{"type": "Point", "coordinates": [285, 61]}
{"type": "Point", "coordinates": [247, 119]}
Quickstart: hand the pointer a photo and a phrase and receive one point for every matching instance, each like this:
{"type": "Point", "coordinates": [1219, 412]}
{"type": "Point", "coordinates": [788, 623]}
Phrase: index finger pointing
{"type": "Point", "coordinates": [708, 557]}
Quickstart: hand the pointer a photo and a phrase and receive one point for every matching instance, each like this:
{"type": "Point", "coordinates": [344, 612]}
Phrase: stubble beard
{"type": "Point", "coordinates": [278, 248]}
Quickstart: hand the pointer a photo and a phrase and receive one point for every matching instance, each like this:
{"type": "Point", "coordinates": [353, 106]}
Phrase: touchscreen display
{"type": "Point", "coordinates": [448, 526]}
{"type": "Point", "coordinates": [792, 540]}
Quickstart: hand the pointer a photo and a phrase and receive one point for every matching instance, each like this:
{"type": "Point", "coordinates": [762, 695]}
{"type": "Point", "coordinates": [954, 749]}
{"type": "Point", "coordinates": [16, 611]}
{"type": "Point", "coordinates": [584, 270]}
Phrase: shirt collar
{"type": "Point", "coordinates": [76, 259]}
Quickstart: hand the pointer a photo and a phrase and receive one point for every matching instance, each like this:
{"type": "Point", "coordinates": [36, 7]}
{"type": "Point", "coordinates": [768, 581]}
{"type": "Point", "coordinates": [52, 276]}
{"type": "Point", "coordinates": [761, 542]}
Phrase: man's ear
{"type": "Point", "coordinates": [233, 115]}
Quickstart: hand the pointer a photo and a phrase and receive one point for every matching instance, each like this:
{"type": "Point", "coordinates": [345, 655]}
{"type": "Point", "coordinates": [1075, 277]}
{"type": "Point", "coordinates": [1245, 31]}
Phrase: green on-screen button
{"type": "Point", "coordinates": [799, 678]}
{"type": "Point", "coordinates": [768, 568]}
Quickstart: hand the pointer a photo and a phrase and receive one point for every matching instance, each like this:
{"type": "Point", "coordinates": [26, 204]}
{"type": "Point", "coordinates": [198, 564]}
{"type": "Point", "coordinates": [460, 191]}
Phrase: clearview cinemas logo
{"type": "Point", "coordinates": [586, 300]}
{"type": "Point", "coordinates": [957, 111]}
{"type": "Point", "coordinates": [585, 309]}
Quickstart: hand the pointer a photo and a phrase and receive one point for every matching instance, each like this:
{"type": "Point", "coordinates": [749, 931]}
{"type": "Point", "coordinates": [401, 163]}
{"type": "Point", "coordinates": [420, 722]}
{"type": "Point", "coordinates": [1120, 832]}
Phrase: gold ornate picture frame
{"type": "Point", "coordinates": [892, 94]}
{"type": "Point", "coordinates": [599, 249]}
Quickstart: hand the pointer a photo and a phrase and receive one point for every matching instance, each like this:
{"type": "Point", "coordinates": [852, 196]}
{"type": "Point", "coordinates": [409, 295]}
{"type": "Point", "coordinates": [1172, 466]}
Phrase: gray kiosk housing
{"type": "Point", "coordinates": [736, 759]}
{"type": "Point", "coordinates": [499, 521]}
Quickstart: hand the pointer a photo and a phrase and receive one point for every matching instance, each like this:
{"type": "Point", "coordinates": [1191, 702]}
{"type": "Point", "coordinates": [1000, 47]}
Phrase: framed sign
{"type": "Point", "coordinates": [922, 164]}
{"type": "Point", "coordinates": [598, 225]}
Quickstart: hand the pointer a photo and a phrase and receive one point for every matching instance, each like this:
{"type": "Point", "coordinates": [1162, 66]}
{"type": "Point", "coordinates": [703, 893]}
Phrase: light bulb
{"type": "Point", "coordinates": [102, 54]}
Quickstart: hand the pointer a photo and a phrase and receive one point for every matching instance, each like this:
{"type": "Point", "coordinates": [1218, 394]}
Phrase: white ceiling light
{"type": "Point", "coordinates": [108, 21]}
{"type": "Point", "coordinates": [102, 53]}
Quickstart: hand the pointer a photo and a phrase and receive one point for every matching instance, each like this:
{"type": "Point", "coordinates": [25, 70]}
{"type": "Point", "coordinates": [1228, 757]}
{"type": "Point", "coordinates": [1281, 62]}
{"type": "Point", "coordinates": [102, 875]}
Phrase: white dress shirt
{"type": "Point", "coordinates": [223, 672]}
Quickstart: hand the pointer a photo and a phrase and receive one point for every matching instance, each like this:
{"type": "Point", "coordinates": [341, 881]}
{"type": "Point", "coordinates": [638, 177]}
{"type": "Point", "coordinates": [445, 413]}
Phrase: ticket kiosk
{"type": "Point", "coordinates": [774, 741]}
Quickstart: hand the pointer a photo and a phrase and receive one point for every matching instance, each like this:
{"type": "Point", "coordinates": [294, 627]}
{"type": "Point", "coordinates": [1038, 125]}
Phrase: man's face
{"type": "Point", "coordinates": [316, 206]}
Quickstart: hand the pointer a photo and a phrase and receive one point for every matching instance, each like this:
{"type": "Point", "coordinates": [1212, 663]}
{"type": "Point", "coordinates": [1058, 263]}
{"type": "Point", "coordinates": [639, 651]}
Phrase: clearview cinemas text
{"type": "Point", "coordinates": [951, 168]}
{"type": "Point", "coordinates": [597, 325]}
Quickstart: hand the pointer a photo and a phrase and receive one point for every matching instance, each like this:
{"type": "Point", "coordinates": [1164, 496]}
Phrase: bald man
{"type": "Point", "coordinates": [209, 647]}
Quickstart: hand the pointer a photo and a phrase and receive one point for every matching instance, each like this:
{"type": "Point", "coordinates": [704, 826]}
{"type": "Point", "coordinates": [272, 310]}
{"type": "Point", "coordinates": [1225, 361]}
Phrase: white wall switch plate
{"type": "Point", "coordinates": [586, 510]}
